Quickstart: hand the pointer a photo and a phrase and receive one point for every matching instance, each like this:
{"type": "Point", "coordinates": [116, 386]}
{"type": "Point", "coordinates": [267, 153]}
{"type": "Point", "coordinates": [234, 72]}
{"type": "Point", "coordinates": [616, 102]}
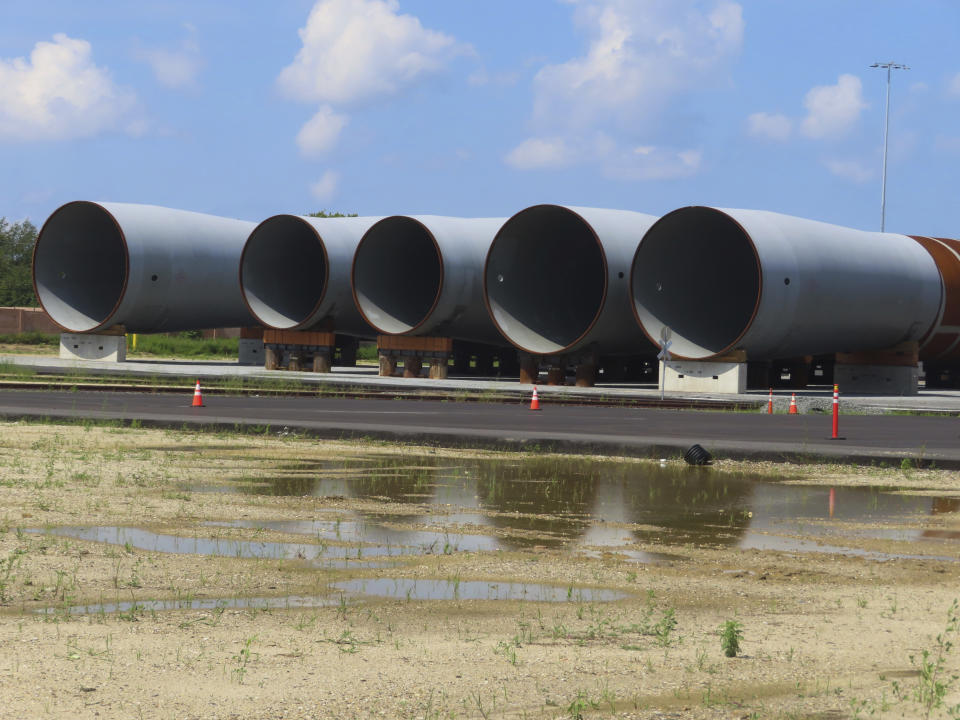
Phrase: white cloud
{"type": "Point", "coordinates": [953, 86]}
{"type": "Point", "coordinates": [640, 162]}
{"type": "Point", "coordinates": [770, 126]}
{"type": "Point", "coordinates": [321, 132]}
{"type": "Point", "coordinates": [852, 170]}
{"type": "Point", "coordinates": [649, 162]}
{"type": "Point", "coordinates": [832, 110]}
{"type": "Point", "coordinates": [354, 50]}
{"type": "Point", "coordinates": [641, 54]}
{"type": "Point", "coordinates": [178, 68]}
{"type": "Point", "coordinates": [59, 94]}
{"type": "Point", "coordinates": [537, 153]}
{"type": "Point", "coordinates": [325, 188]}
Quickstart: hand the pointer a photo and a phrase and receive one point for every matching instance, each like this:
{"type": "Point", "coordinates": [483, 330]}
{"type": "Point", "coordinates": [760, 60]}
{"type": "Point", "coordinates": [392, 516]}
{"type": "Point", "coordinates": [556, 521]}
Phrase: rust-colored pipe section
{"type": "Point", "coordinates": [942, 341]}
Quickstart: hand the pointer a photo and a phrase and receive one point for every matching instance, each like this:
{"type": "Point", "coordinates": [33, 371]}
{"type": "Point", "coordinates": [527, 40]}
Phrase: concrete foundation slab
{"type": "Point", "coordinates": [708, 377]}
{"type": "Point", "coordinates": [80, 346]}
{"type": "Point", "coordinates": [250, 352]}
{"type": "Point", "coordinates": [877, 379]}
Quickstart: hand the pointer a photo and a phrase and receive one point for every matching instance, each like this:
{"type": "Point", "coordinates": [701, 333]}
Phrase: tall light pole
{"type": "Point", "coordinates": [890, 66]}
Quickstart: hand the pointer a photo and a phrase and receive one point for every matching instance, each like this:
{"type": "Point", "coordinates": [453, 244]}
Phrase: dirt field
{"type": "Point", "coordinates": [824, 635]}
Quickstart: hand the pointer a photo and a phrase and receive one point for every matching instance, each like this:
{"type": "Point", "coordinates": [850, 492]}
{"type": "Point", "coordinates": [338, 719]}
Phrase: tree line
{"type": "Point", "coordinates": [16, 255]}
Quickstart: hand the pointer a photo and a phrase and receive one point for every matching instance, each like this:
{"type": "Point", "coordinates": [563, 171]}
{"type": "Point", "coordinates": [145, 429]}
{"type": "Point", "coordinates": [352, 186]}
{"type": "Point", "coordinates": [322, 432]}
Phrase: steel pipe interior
{"type": "Point", "coordinates": [545, 280]}
{"type": "Point", "coordinates": [397, 275]}
{"type": "Point", "coordinates": [80, 266]}
{"type": "Point", "coordinates": [696, 272]}
{"type": "Point", "coordinates": [283, 271]}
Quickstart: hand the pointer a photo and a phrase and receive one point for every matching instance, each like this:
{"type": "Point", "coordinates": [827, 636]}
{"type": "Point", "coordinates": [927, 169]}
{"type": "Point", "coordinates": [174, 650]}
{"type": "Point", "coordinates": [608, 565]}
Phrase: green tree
{"type": "Point", "coordinates": [328, 214]}
{"type": "Point", "coordinates": [16, 255]}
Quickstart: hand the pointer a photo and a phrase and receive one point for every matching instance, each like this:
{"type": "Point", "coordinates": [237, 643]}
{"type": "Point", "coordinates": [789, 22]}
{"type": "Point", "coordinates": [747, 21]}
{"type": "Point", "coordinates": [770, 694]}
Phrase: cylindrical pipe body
{"type": "Point", "coordinates": [147, 268]}
{"type": "Point", "coordinates": [556, 280]}
{"type": "Point", "coordinates": [777, 286]}
{"type": "Point", "coordinates": [421, 275]}
{"type": "Point", "coordinates": [942, 342]}
{"type": "Point", "coordinates": [295, 273]}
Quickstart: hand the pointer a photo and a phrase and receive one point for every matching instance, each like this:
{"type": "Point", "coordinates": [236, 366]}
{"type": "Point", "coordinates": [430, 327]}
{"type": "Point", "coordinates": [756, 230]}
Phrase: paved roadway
{"type": "Point", "coordinates": [633, 431]}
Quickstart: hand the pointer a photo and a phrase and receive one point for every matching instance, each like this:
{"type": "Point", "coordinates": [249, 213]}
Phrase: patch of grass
{"type": "Point", "coordinates": [183, 345]}
{"type": "Point", "coordinates": [30, 338]}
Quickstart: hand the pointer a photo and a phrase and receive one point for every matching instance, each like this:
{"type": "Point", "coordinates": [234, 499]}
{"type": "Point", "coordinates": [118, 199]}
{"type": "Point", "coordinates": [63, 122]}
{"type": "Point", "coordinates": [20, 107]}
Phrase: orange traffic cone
{"type": "Point", "coordinates": [535, 400]}
{"type": "Point", "coordinates": [770, 403]}
{"type": "Point", "coordinates": [793, 404]}
{"type": "Point", "coordinates": [197, 397]}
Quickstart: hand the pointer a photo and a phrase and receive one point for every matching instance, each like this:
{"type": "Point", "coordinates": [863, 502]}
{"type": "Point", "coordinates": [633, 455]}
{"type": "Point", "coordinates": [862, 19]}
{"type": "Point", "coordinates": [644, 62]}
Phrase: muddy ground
{"type": "Point", "coordinates": [824, 635]}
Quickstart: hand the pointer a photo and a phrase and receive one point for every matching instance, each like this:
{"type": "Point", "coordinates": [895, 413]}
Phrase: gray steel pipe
{"type": "Point", "coordinates": [421, 275]}
{"type": "Point", "coordinates": [778, 286]}
{"type": "Point", "coordinates": [556, 279]}
{"type": "Point", "coordinates": [147, 268]}
{"type": "Point", "coordinates": [295, 273]}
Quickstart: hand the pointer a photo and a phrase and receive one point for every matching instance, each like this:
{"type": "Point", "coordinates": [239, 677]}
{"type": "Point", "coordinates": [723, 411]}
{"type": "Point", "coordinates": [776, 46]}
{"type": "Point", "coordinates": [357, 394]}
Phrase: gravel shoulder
{"type": "Point", "coordinates": [824, 635]}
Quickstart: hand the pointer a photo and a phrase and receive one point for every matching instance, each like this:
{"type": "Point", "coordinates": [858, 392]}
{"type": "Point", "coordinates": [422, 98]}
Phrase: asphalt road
{"type": "Point", "coordinates": [645, 432]}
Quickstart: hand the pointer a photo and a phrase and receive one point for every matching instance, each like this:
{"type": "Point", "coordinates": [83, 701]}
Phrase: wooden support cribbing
{"type": "Point", "coordinates": [321, 363]}
{"type": "Point", "coordinates": [252, 333]}
{"type": "Point", "coordinates": [412, 366]}
{"type": "Point", "coordinates": [270, 359]}
{"type": "Point", "coordinates": [586, 375]}
{"type": "Point", "coordinates": [438, 368]}
{"type": "Point", "coordinates": [294, 364]}
{"type": "Point", "coordinates": [903, 355]}
{"type": "Point", "coordinates": [388, 365]}
{"type": "Point", "coordinates": [555, 375]}
{"type": "Point", "coordinates": [529, 369]}
{"type": "Point", "coordinates": [298, 337]}
{"type": "Point", "coordinates": [414, 351]}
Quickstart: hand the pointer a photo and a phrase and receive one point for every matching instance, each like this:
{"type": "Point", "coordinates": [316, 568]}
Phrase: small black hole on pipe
{"type": "Point", "coordinates": [786, 281]}
{"type": "Point", "coordinates": [153, 277]}
{"type": "Point", "coordinates": [620, 275]}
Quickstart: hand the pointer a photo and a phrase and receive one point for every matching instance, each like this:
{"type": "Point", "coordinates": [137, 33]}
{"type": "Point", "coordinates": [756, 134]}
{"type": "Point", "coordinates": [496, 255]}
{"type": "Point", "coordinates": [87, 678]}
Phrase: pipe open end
{"type": "Point", "coordinates": [80, 266]}
{"type": "Point", "coordinates": [283, 271]}
{"type": "Point", "coordinates": [545, 279]}
{"type": "Point", "coordinates": [696, 271]}
{"type": "Point", "coordinates": [397, 275]}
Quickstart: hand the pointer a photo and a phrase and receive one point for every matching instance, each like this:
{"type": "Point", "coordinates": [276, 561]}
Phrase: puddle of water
{"type": "Point", "coordinates": [588, 507]}
{"type": "Point", "coordinates": [364, 530]}
{"type": "Point", "coordinates": [409, 589]}
{"type": "Point", "coordinates": [176, 544]}
{"type": "Point", "coordinates": [263, 603]}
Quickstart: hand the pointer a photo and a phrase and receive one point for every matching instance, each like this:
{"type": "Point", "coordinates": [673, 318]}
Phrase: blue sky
{"type": "Point", "coordinates": [472, 108]}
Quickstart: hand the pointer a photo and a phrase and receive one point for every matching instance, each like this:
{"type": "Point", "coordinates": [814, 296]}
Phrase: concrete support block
{"type": "Point", "coordinates": [294, 363]}
{"type": "Point", "coordinates": [877, 379]}
{"type": "Point", "coordinates": [555, 376]}
{"type": "Point", "coordinates": [80, 346]}
{"type": "Point", "coordinates": [250, 351]}
{"type": "Point", "coordinates": [709, 377]}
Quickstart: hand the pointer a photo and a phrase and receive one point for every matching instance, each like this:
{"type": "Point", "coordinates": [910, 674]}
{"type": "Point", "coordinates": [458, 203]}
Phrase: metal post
{"type": "Point", "coordinates": [889, 66]}
{"type": "Point", "coordinates": [883, 182]}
